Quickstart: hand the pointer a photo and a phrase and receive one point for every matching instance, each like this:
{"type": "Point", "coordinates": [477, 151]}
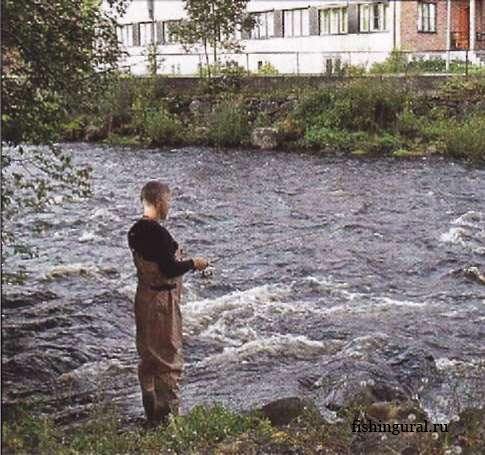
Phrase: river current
{"type": "Point", "coordinates": [332, 275]}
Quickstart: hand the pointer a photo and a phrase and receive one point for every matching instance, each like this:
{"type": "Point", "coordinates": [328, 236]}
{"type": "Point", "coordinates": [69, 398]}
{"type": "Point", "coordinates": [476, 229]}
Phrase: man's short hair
{"type": "Point", "coordinates": [154, 191]}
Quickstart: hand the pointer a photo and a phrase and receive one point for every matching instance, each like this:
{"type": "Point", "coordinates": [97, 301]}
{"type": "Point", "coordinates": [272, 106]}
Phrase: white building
{"type": "Point", "coordinates": [313, 36]}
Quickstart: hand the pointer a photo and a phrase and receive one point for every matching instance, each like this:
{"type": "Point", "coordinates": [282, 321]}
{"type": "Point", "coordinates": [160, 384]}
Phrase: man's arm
{"type": "Point", "coordinates": [164, 253]}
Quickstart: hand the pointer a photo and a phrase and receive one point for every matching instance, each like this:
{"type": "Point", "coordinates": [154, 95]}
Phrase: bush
{"type": "Point", "coordinates": [349, 70]}
{"type": "Point", "coordinates": [161, 127]}
{"type": "Point", "coordinates": [230, 69]}
{"type": "Point", "coordinates": [267, 69]}
{"type": "Point", "coordinates": [395, 63]}
{"type": "Point", "coordinates": [358, 106]}
{"type": "Point", "coordinates": [228, 125]}
{"type": "Point", "coordinates": [465, 139]}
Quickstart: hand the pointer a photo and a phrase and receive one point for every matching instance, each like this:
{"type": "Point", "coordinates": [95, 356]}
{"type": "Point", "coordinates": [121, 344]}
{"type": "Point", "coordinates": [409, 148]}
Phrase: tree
{"type": "Point", "coordinates": [212, 24]}
{"type": "Point", "coordinates": [56, 55]}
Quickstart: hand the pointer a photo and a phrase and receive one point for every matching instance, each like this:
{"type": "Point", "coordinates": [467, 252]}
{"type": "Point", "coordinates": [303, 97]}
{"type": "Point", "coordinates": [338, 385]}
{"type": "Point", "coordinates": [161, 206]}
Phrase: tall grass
{"type": "Point", "coordinates": [228, 125]}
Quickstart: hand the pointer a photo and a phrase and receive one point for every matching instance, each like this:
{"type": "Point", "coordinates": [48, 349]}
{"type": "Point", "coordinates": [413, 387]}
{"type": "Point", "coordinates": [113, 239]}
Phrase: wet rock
{"type": "Point", "coordinates": [264, 138]}
{"type": "Point", "coordinates": [285, 410]}
{"type": "Point", "coordinates": [350, 383]}
{"type": "Point", "coordinates": [401, 412]}
{"type": "Point", "coordinates": [475, 274]}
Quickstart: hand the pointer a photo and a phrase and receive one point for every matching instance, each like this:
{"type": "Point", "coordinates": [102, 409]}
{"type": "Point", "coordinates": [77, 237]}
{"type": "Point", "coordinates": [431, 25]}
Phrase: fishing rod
{"type": "Point", "coordinates": [260, 247]}
{"type": "Point", "coordinates": [208, 272]}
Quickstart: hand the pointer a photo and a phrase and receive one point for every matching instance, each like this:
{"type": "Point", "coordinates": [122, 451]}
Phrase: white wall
{"type": "Point", "coordinates": [313, 51]}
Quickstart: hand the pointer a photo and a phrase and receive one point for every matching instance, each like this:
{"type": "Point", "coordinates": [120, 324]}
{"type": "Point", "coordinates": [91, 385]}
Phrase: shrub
{"type": "Point", "coordinates": [312, 105]}
{"type": "Point", "coordinates": [353, 70]}
{"type": "Point", "coordinates": [74, 129]}
{"type": "Point", "coordinates": [358, 106]}
{"type": "Point", "coordinates": [465, 139]}
{"type": "Point", "coordinates": [228, 125]}
{"type": "Point", "coordinates": [230, 68]}
{"type": "Point", "coordinates": [161, 127]}
{"type": "Point", "coordinates": [408, 123]}
{"type": "Point", "coordinates": [267, 69]}
{"type": "Point", "coordinates": [395, 63]}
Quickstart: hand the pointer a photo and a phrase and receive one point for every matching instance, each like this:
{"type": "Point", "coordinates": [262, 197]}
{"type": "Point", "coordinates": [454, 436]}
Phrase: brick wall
{"type": "Point", "coordinates": [411, 39]}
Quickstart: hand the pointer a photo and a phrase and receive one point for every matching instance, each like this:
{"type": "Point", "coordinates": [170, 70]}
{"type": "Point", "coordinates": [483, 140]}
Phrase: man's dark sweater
{"type": "Point", "coordinates": [154, 243]}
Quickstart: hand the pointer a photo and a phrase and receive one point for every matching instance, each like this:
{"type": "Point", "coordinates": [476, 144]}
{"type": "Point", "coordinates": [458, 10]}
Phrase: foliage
{"type": "Point", "coordinates": [212, 24]}
{"type": "Point", "coordinates": [364, 116]}
{"type": "Point", "coordinates": [154, 63]}
{"type": "Point", "coordinates": [349, 70]}
{"type": "Point", "coordinates": [55, 55]}
{"type": "Point", "coordinates": [161, 127]}
{"type": "Point", "coordinates": [396, 63]}
{"type": "Point", "coordinates": [267, 69]}
{"type": "Point", "coordinates": [465, 138]}
{"type": "Point", "coordinates": [358, 106]}
{"type": "Point", "coordinates": [228, 124]}
{"type": "Point", "coordinates": [227, 69]}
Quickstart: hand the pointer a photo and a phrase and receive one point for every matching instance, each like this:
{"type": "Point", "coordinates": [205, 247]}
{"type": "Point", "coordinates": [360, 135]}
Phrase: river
{"type": "Point", "coordinates": [334, 275]}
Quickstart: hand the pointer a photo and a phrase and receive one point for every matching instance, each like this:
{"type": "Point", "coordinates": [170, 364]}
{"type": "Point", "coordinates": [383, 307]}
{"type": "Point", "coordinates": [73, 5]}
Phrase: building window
{"type": "Point", "coordinates": [125, 35]}
{"type": "Point", "coordinates": [264, 25]}
{"type": "Point", "coordinates": [146, 36]}
{"type": "Point", "coordinates": [296, 22]}
{"type": "Point", "coordinates": [333, 21]}
{"type": "Point", "coordinates": [427, 17]}
{"type": "Point", "coordinates": [168, 36]}
{"type": "Point", "coordinates": [372, 17]}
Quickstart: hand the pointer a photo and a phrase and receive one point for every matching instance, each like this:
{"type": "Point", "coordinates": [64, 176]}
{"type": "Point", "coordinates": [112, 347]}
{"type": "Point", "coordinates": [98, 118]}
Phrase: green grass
{"type": "Point", "coordinates": [217, 430]}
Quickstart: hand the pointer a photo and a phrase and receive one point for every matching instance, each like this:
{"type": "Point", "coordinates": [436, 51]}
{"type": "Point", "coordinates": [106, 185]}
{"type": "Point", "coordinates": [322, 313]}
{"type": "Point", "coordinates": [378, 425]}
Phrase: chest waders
{"type": "Point", "coordinates": [158, 339]}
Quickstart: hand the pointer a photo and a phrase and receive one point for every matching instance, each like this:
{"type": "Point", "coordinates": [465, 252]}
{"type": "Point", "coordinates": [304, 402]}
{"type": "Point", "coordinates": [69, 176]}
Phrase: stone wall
{"type": "Point", "coordinates": [187, 85]}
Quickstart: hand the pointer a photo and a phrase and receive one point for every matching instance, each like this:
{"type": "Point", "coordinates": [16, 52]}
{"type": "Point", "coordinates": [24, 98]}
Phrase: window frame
{"type": "Point", "coordinates": [269, 31]}
{"type": "Point", "coordinates": [150, 25]}
{"type": "Point", "coordinates": [127, 32]}
{"type": "Point", "coordinates": [367, 21]}
{"type": "Point", "coordinates": [325, 17]}
{"type": "Point", "coordinates": [304, 25]}
{"type": "Point", "coordinates": [431, 18]}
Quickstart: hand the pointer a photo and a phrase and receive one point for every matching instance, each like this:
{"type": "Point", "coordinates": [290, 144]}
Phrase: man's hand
{"type": "Point", "coordinates": [200, 263]}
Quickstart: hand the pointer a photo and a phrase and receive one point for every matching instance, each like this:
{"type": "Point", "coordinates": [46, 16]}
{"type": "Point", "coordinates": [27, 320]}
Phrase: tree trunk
{"type": "Point", "coordinates": [206, 52]}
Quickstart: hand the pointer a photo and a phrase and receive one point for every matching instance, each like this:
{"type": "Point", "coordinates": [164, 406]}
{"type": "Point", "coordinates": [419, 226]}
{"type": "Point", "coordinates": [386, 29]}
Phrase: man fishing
{"type": "Point", "coordinates": [157, 313]}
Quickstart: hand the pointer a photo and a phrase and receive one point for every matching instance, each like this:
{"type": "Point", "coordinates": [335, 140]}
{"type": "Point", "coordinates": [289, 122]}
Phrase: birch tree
{"type": "Point", "coordinates": [212, 25]}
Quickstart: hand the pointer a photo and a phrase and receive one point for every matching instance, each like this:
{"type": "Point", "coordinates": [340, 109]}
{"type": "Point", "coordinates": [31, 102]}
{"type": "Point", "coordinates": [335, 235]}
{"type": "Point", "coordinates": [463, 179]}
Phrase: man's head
{"type": "Point", "coordinates": [157, 195]}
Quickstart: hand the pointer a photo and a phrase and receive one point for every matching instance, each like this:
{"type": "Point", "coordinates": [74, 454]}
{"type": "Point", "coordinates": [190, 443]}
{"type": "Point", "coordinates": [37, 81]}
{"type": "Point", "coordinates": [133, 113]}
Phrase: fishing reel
{"type": "Point", "coordinates": [208, 272]}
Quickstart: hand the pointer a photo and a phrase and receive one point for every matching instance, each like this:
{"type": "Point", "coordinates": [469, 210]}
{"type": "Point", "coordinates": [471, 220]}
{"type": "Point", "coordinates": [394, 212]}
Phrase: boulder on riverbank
{"type": "Point", "coordinates": [264, 138]}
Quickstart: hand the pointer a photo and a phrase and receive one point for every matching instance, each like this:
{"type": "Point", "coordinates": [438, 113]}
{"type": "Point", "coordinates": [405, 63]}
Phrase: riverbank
{"type": "Point", "coordinates": [290, 425]}
{"type": "Point", "coordinates": [401, 117]}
